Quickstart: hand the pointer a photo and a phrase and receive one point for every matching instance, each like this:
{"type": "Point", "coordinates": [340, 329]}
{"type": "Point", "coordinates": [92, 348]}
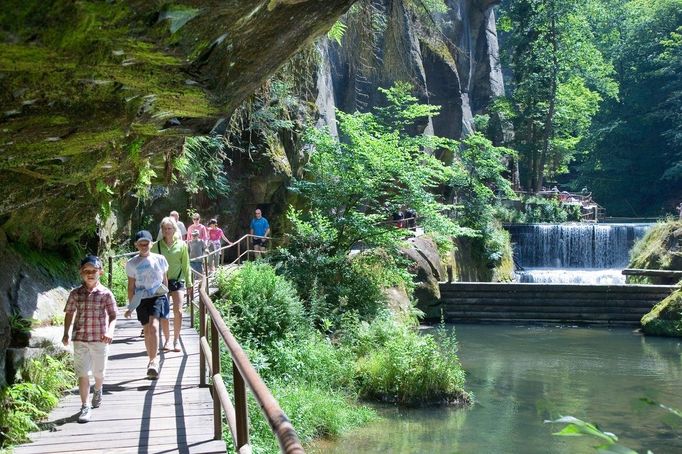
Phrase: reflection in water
{"type": "Point", "coordinates": [521, 376]}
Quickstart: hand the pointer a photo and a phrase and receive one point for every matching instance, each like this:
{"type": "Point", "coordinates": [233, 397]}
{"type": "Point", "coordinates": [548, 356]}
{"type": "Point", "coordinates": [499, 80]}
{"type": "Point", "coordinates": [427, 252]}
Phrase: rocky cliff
{"type": "Point", "coordinates": [450, 56]}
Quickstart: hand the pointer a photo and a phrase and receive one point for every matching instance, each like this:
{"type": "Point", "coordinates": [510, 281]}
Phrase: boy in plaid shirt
{"type": "Point", "coordinates": [92, 310]}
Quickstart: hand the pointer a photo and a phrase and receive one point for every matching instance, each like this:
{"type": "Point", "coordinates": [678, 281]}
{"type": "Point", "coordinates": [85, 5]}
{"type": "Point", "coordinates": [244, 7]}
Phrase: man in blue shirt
{"type": "Point", "coordinates": [260, 228]}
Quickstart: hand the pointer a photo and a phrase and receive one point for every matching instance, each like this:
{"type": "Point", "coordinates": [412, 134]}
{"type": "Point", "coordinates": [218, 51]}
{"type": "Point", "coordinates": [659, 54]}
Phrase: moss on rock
{"type": "Point", "coordinates": [659, 249]}
{"type": "Point", "coordinates": [84, 82]}
{"type": "Point", "coordinates": [665, 319]}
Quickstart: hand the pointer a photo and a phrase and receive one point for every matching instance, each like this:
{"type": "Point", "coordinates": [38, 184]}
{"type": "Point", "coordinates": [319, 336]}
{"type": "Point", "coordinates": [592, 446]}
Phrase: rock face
{"type": "Point", "coordinates": [428, 271]}
{"type": "Point", "coordinates": [29, 292]}
{"type": "Point", "coordinates": [451, 59]}
{"type": "Point", "coordinates": [97, 96]}
{"type": "Point", "coordinates": [661, 249]}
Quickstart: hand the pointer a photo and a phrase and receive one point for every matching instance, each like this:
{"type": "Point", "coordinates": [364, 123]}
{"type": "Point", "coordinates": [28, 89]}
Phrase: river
{"type": "Point", "coordinates": [523, 375]}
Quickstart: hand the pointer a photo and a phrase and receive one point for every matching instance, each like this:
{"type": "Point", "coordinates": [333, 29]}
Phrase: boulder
{"type": "Point", "coordinates": [665, 319]}
{"type": "Point", "coordinates": [659, 249]}
{"type": "Point", "coordinates": [428, 271]}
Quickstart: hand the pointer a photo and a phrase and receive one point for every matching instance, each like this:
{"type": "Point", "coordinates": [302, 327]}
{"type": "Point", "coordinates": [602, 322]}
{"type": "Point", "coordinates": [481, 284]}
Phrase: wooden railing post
{"type": "Point", "coordinates": [240, 408]}
{"type": "Point", "coordinates": [239, 253]}
{"type": "Point", "coordinates": [190, 301]}
{"type": "Point", "coordinates": [202, 334]}
{"type": "Point", "coordinates": [215, 361]}
{"type": "Point", "coordinates": [111, 272]}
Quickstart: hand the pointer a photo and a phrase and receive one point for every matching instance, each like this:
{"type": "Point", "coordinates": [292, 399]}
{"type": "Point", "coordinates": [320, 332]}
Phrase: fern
{"type": "Point", "coordinates": [337, 31]}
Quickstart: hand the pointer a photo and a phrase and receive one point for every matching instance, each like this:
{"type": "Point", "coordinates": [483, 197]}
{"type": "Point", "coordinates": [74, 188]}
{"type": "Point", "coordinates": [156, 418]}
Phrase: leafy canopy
{"type": "Point", "coordinates": [376, 169]}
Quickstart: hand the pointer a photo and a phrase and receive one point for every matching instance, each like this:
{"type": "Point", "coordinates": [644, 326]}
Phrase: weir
{"type": "Point", "coordinates": [573, 253]}
{"type": "Point", "coordinates": [569, 273]}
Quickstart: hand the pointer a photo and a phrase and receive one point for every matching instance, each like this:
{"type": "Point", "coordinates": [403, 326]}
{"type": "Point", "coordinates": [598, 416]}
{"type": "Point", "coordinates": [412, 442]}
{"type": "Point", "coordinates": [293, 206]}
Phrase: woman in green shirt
{"type": "Point", "coordinates": [171, 246]}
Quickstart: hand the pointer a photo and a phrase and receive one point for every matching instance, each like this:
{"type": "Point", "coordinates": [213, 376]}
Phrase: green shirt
{"type": "Point", "coordinates": [177, 255]}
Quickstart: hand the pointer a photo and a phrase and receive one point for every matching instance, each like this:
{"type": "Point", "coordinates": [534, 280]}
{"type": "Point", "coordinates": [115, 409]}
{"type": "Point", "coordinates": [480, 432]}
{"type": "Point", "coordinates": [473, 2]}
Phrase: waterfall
{"type": "Point", "coordinates": [574, 253]}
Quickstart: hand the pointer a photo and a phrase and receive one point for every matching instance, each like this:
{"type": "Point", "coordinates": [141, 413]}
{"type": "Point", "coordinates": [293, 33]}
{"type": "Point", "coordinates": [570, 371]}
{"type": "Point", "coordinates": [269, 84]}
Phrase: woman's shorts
{"type": "Point", "coordinates": [90, 356]}
{"type": "Point", "coordinates": [153, 307]}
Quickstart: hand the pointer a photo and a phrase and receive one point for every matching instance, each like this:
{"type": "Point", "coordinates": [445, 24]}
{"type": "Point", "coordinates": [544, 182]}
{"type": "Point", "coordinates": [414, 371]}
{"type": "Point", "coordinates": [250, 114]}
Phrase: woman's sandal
{"type": "Point", "coordinates": [166, 348]}
{"type": "Point", "coordinates": [176, 347]}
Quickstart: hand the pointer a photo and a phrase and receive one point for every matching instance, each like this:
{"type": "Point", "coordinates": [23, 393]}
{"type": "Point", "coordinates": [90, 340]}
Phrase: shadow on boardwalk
{"type": "Point", "coordinates": [169, 415]}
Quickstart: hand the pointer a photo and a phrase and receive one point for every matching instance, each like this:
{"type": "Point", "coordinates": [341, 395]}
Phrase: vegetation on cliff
{"type": "Point", "coordinates": [665, 319]}
{"type": "Point", "coordinates": [661, 249]}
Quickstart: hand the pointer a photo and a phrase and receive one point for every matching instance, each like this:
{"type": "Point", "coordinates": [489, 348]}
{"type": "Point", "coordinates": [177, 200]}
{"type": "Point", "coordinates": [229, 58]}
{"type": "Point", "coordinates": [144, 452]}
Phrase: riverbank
{"type": "Point", "coordinates": [523, 375]}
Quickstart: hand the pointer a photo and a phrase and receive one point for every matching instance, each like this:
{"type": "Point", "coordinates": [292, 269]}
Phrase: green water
{"type": "Point", "coordinates": [521, 376]}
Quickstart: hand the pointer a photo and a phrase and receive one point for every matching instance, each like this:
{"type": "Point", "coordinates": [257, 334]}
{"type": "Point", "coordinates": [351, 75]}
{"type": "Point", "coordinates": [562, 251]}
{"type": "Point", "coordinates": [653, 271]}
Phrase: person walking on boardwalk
{"type": "Point", "coordinates": [260, 228]}
{"type": "Point", "coordinates": [197, 225]}
{"type": "Point", "coordinates": [215, 235]}
{"type": "Point", "coordinates": [92, 310]}
{"type": "Point", "coordinates": [197, 248]}
{"type": "Point", "coordinates": [147, 272]}
{"type": "Point", "coordinates": [170, 245]}
{"type": "Point", "coordinates": [181, 225]}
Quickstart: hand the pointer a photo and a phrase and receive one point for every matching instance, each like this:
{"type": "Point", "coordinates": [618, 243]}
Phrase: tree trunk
{"type": "Point", "coordinates": [548, 131]}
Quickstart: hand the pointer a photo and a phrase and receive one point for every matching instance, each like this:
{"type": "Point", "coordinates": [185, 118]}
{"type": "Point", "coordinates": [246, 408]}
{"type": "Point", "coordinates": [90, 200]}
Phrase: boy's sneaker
{"type": "Point", "coordinates": [97, 398]}
{"type": "Point", "coordinates": [85, 414]}
{"type": "Point", "coordinates": [152, 371]}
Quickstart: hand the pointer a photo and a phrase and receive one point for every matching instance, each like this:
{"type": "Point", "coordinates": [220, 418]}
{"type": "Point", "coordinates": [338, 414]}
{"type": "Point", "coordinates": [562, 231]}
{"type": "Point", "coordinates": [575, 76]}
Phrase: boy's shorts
{"type": "Point", "coordinates": [90, 356]}
{"type": "Point", "coordinates": [198, 267]}
{"type": "Point", "coordinates": [153, 307]}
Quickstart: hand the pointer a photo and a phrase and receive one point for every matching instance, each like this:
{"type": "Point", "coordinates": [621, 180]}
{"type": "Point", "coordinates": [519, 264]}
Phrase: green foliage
{"type": "Point", "coordinates": [635, 139]}
{"type": "Point", "coordinates": [314, 412]}
{"type": "Point", "coordinates": [336, 32]}
{"type": "Point", "coordinates": [119, 281]}
{"type": "Point", "coordinates": [202, 166]}
{"type": "Point", "coordinates": [24, 404]}
{"type": "Point", "coordinates": [330, 283]}
{"type": "Point", "coordinates": [357, 183]}
{"type": "Point", "coordinates": [397, 364]}
{"type": "Point", "coordinates": [477, 179]}
{"type": "Point", "coordinates": [577, 427]}
{"type": "Point", "coordinates": [261, 306]}
{"type": "Point", "coordinates": [559, 78]}
{"type": "Point", "coordinates": [309, 358]}
{"type": "Point", "coordinates": [19, 324]}
{"type": "Point", "coordinates": [536, 209]}
{"type": "Point", "coordinates": [315, 374]}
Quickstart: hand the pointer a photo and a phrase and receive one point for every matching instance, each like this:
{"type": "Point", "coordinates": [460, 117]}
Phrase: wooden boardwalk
{"type": "Point", "coordinates": [169, 415]}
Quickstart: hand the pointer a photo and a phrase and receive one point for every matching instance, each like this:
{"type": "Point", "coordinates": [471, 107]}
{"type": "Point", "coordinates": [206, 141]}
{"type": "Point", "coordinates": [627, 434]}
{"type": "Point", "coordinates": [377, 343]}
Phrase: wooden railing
{"type": "Point", "coordinates": [244, 375]}
{"type": "Point", "coordinates": [212, 328]}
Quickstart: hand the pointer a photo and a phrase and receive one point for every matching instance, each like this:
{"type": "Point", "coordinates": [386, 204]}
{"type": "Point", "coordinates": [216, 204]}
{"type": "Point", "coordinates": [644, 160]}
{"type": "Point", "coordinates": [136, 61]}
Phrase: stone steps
{"type": "Point", "coordinates": [563, 303]}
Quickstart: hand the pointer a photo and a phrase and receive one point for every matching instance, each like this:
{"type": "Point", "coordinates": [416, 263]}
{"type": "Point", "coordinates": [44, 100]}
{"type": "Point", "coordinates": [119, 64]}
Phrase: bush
{"type": "Point", "coordinates": [261, 306]}
{"type": "Point", "coordinates": [119, 281]}
{"type": "Point", "coordinates": [330, 283]}
{"type": "Point", "coordinates": [314, 412]}
{"type": "Point", "coordinates": [310, 359]}
{"type": "Point", "coordinates": [397, 364]}
{"type": "Point", "coordinates": [24, 404]}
